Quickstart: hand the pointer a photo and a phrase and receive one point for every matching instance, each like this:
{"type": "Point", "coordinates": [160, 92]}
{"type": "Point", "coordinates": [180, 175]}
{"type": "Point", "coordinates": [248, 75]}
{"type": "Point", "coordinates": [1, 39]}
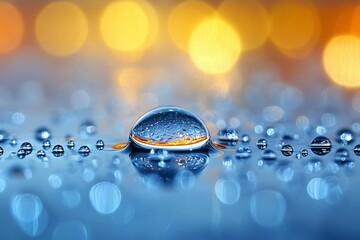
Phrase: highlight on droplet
{"type": "Point", "coordinates": [11, 27]}
{"type": "Point", "coordinates": [61, 28]}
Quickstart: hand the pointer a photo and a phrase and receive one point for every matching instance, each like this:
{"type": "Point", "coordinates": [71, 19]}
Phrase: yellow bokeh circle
{"type": "Point", "coordinates": [250, 19]}
{"type": "Point", "coordinates": [341, 60]}
{"type": "Point", "coordinates": [128, 26]}
{"type": "Point", "coordinates": [61, 28]}
{"type": "Point", "coordinates": [214, 46]}
{"type": "Point", "coordinates": [11, 27]}
{"type": "Point", "coordinates": [184, 18]}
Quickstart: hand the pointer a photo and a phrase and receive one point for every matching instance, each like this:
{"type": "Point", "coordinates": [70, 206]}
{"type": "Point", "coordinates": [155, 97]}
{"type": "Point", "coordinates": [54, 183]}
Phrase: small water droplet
{"type": "Point", "coordinates": [357, 150]}
{"type": "Point", "coordinates": [27, 147]}
{"type": "Point", "coordinates": [58, 151]}
{"type": "Point", "coordinates": [320, 146]}
{"type": "Point", "coordinates": [270, 132]}
{"type": "Point", "coordinates": [4, 136]}
{"type": "Point", "coordinates": [100, 145]}
{"type": "Point", "coordinates": [243, 153]}
{"type": "Point", "coordinates": [87, 128]}
{"type": "Point", "coordinates": [345, 136]}
{"type": "Point", "coordinates": [21, 153]}
{"type": "Point", "coordinates": [245, 138]}
{"type": "Point", "coordinates": [228, 135]}
{"type": "Point", "coordinates": [1, 151]}
{"type": "Point", "coordinates": [41, 154]}
{"type": "Point", "coordinates": [46, 144]}
{"type": "Point", "coordinates": [342, 156]}
{"type": "Point", "coordinates": [261, 144]}
{"type": "Point", "coordinates": [269, 155]}
{"type": "Point", "coordinates": [42, 134]}
{"type": "Point", "coordinates": [304, 152]}
{"type": "Point", "coordinates": [287, 150]}
{"type": "Point", "coordinates": [71, 144]}
{"type": "Point", "coordinates": [169, 128]}
{"type": "Point", "coordinates": [84, 151]}
{"type": "Point", "coordinates": [13, 141]}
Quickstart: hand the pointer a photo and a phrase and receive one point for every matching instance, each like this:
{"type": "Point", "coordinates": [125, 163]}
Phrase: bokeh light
{"type": "Point", "coordinates": [128, 26]}
{"type": "Point", "coordinates": [341, 60]}
{"type": "Point", "coordinates": [355, 21]}
{"type": "Point", "coordinates": [295, 27]}
{"type": "Point", "coordinates": [250, 19]}
{"type": "Point", "coordinates": [184, 18]}
{"type": "Point", "coordinates": [61, 28]}
{"type": "Point", "coordinates": [214, 46]}
{"type": "Point", "coordinates": [11, 27]}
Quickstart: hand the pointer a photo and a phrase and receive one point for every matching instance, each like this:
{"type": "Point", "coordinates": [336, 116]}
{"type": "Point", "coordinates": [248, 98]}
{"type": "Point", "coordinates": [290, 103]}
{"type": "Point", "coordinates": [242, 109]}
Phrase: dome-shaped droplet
{"type": "Point", "coordinates": [21, 153]}
{"type": "Point", "coordinates": [304, 153]}
{"type": "Point", "coordinates": [261, 144]}
{"type": "Point", "coordinates": [46, 144]}
{"type": "Point", "coordinates": [320, 146]}
{"type": "Point", "coordinates": [169, 128]}
{"type": "Point", "coordinates": [71, 144]}
{"type": "Point", "coordinates": [287, 150]}
{"type": "Point", "coordinates": [27, 147]}
{"type": "Point", "coordinates": [41, 154]}
{"type": "Point", "coordinates": [99, 145]}
{"type": "Point", "coordinates": [58, 150]}
{"type": "Point", "coordinates": [84, 151]}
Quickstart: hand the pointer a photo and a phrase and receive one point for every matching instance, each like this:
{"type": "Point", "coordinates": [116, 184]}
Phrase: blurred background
{"type": "Point", "coordinates": [130, 56]}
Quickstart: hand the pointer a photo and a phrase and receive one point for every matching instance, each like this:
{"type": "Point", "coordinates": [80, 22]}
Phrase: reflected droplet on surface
{"type": "Point", "coordinates": [105, 197]}
{"type": "Point", "coordinates": [169, 128]}
{"type": "Point", "coordinates": [227, 191]}
{"type": "Point", "coordinates": [342, 156]}
{"type": "Point", "coordinates": [318, 188]}
{"type": "Point", "coordinates": [268, 208]}
{"type": "Point", "coordinates": [243, 153]}
{"type": "Point", "coordinates": [71, 198]}
{"type": "Point", "coordinates": [313, 166]}
{"type": "Point", "coordinates": [320, 146]}
{"type": "Point", "coordinates": [70, 230]}
{"type": "Point", "coordinates": [42, 134]}
{"type": "Point", "coordinates": [285, 173]}
{"type": "Point", "coordinates": [58, 151]}
{"type": "Point", "coordinates": [36, 227]}
{"type": "Point", "coordinates": [170, 165]}
{"type": "Point", "coordinates": [287, 150]}
{"type": "Point", "coordinates": [269, 155]}
{"type": "Point", "coordinates": [345, 136]}
{"type": "Point", "coordinates": [261, 144]}
{"type": "Point", "coordinates": [26, 207]}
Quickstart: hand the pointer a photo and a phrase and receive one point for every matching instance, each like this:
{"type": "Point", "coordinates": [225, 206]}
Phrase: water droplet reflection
{"type": "Point", "coordinates": [70, 230]}
{"type": "Point", "coordinates": [105, 197]}
{"type": "Point", "coordinates": [71, 198]}
{"type": "Point", "coordinates": [227, 191]}
{"type": "Point", "coordinates": [26, 207]}
{"type": "Point", "coordinates": [268, 208]}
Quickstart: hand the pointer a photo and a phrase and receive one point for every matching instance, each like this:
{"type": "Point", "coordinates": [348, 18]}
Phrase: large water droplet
{"type": "Point", "coordinates": [345, 136]}
{"type": "Point", "coordinates": [320, 146]}
{"type": "Point", "coordinates": [287, 150]}
{"type": "Point", "coordinates": [261, 144]}
{"type": "Point", "coordinates": [169, 128]}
